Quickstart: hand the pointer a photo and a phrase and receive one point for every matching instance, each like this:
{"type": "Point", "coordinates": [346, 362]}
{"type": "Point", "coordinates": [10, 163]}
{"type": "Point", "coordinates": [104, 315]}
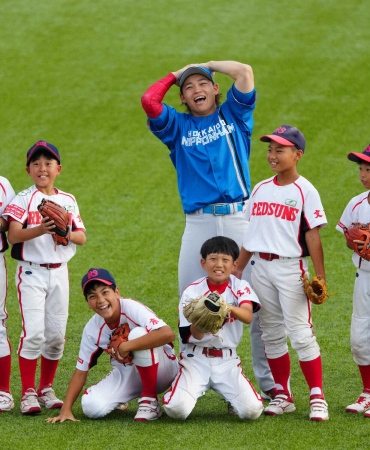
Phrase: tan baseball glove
{"type": "Point", "coordinates": [207, 313]}
{"type": "Point", "coordinates": [316, 289]}
{"type": "Point", "coordinates": [60, 217]}
{"type": "Point", "coordinates": [120, 335]}
{"type": "Point", "coordinates": [358, 239]}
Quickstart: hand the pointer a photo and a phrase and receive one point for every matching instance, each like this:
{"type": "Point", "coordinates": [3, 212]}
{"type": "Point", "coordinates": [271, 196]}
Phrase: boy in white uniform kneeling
{"type": "Point", "coordinates": [210, 361]}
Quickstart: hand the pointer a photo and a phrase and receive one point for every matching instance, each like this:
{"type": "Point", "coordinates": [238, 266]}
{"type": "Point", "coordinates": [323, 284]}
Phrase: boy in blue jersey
{"type": "Point", "coordinates": [210, 148]}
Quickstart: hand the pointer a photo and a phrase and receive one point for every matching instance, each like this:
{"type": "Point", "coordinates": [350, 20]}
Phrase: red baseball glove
{"type": "Point", "coordinates": [120, 335]}
{"type": "Point", "coordinates": [60, 217]}
{"type": "Point", "coordinates": [358, 239]}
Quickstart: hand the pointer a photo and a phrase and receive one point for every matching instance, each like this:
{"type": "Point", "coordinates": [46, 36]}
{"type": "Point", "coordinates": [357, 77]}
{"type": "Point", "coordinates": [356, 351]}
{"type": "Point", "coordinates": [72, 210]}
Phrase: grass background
{"type": "Point", "coordinates": [72, 73]}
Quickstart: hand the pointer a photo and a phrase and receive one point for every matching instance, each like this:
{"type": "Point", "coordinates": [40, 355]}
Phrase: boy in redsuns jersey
{"type": "Point", "coordinates": [285, 215]}
{"type": "Point", "coordinates": [41, 278]}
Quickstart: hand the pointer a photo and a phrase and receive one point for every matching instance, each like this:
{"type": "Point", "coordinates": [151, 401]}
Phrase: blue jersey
{"type": "Point", "coordinates": [210, 153]}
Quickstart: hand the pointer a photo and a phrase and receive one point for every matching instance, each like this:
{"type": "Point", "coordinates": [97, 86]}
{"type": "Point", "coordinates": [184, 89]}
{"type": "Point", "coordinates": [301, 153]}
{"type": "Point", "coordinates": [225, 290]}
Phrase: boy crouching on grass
{"type": "Point", "coordinates": [154, 364]}
{"type": "Point", "coordinates": [210, 361]}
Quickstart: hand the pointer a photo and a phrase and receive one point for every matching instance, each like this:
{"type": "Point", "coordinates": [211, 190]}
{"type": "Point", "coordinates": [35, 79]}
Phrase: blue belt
{"type": "Point", "coordinates": [222, 209]}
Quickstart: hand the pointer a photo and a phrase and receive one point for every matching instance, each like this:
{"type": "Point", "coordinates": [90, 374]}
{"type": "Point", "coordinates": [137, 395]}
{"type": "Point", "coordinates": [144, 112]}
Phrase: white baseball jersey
{"type": "Point", "coordinates": [357, 210]}
{"type": "Point", "coordinates": [97, 333]}
{"type": "Point", "coordinates": [6, 195]}
{"type": "Point", "coordinates": [236, 293]}
{"type": "Point", "coordinates": [40, 250]}
{"type": "Point", "coordinates": [279, 216]}
{"type": "Point", "coordinates": [200, 372]}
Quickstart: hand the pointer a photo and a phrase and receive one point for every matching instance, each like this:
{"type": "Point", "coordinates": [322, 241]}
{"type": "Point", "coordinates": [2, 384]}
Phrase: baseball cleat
{"type": "Point", "coordinates": [231, 410]}
{"type": "Point", "coordinates": [270, 394]}
{"type": "Point", "coordinates": [47, 398]}
{"type": "Point", "coordinates": [319, 409]}
{"type": "Point", "coordinates": [281, 404]}
{"type": "Point", "coordinates": [149, 409]}
{"type": "Point", "coordinates": [361, 405]}
{"type": "Point", "coordinates": [29, 403]}
{"type": "Point", "coordinates": [6, 401]}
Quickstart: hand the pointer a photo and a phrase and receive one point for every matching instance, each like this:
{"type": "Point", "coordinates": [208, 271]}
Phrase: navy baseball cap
{"type": "Point", "coordinates": [286, 135]}
{"type": "Point", "coordinates": [195, 70]}
{"type": "Point", "coordinates": [43, 145]}
{"type": "Point", "coordinates": [360, 157]}
{"type": "Point", "coordinates": [95, 274]}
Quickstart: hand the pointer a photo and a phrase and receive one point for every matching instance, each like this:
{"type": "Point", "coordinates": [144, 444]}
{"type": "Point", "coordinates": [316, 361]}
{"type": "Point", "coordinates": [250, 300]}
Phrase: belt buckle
{"type": "Point", "coordinates": [48, 266]}
{"type": "Point", "coordinates": [219, 205]}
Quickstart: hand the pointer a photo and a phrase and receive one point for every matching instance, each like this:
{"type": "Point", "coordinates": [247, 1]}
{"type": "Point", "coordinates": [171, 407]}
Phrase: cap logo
{"type": "Point", "coordinates": [280, 130]}
{"type": "Point", "coordinates": [367, 149]}
{"type": "Point", "coordinates": [92, 274]}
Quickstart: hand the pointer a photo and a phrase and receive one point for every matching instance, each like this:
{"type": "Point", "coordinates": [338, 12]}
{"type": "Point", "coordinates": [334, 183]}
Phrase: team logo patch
{"type": "Point", "coordinates": [25, 192]}
{"type": "Point", "coordinates": [69, 208]}
{"type": "Point", "coordinates": [28, 272]}
{"type": "Point", "coordinates": [290, 202]}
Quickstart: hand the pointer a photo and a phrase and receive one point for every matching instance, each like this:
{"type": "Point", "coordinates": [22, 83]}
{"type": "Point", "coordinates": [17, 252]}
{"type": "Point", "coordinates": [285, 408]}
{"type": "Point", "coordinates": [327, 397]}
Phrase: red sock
{"type": "Point", "coordinates": [47, 373]}
{"type": "Point", "coordinates": [148, 377]}
{"type": "Point", "coordinates": [27, 368]}
{"type": "Point", "coordinates": [5, 369]}
{"type": "Point", "coordinates": [312, 371]}
{"type": "Point", "coordinates": [365, 375]}
{"type": "Point", "coordinates": [280, 369]}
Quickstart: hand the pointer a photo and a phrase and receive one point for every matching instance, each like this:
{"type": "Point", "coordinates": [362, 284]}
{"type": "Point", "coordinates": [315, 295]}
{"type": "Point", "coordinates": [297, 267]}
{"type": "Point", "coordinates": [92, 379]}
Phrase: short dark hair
{"type": "Point", "coordinates": [95, 284]}
{"type": "Point", "coordinates": [41, 152]}
{"type": "Point", "coordinates": [220, 244]}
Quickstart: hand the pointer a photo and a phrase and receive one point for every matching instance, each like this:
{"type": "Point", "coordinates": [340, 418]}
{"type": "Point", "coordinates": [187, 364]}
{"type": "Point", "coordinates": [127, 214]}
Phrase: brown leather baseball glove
{"type": "Point", "coordinates": [60, 217]}
{"type": "Point", "coordinates": [316, 289]}
{"type": "Point", "coordinates": [208, 313]}
{"type": "Point", "coordinates": [120, 335]}
{"type": "Point", "coordinates": [358, 239]}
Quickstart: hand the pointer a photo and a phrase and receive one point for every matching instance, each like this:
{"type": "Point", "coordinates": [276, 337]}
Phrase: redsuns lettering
{"type": "Point", "coordinates": [284, 212]}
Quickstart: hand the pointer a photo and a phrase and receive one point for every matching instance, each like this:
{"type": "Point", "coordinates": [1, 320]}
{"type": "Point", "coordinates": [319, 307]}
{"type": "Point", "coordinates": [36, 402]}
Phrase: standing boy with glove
{"type": "Point", "coordinates": [358, 211]}
{"type": "Point", "coordinates": [209, 361]}
{"type": "Point", "coordinates": [42, 278]}
{"type": "Point", "coordinates": [141, 350]}
{"type": "Point", "coordinates": [284, 216]}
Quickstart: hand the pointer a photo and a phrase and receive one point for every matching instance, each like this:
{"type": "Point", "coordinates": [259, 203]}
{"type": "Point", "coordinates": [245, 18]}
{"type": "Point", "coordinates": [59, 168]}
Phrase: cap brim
{"type": "Point", "coordinates": [358, 157]}
{"type": "Point", "coordinates": [108, 283]}
{"type": "Point", "coordinates": [278, 139]}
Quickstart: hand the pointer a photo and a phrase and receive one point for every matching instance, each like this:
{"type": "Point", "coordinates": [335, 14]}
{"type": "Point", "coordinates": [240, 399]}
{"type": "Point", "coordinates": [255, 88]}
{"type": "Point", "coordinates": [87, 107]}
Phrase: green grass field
{"type": "Point", "coordinates": [72, 73]}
